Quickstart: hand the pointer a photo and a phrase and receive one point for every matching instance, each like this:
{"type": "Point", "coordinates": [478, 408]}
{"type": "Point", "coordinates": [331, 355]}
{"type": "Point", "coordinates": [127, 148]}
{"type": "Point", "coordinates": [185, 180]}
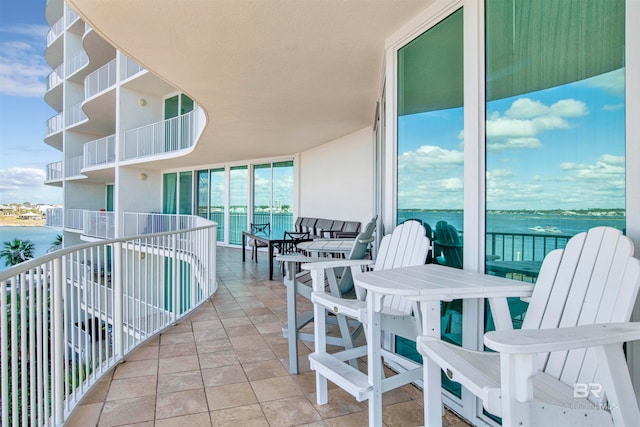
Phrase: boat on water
{"type": "Point", "coordinates": [547, 229]}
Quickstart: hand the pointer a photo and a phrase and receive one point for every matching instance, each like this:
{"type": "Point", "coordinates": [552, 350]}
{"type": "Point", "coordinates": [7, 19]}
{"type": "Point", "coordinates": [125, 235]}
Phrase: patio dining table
{"type": "Point", "coordinates": [427, 284]}
{"type": "Point", "coordinates": [327, 246]}
{"type": "Point", "coordinates": [274, 239]}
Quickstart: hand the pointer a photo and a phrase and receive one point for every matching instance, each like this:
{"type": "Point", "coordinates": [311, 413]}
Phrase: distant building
{"type": "Point", "coordinates": [7, 210]}
{"type": "Point", "coordinates": [30, 216]}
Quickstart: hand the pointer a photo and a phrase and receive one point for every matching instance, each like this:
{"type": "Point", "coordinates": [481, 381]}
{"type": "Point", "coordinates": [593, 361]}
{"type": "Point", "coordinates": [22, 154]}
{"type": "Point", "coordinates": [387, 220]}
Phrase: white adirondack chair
{"type": "Point", "coordinates": [406, 246]}
{"type": "Point", "coordinates": [339, 283]}
{"type": "Point", "coordinates": [566, 366]}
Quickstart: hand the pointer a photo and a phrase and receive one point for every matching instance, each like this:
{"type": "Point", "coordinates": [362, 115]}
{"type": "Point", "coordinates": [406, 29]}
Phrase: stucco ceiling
{"type": "Point", "coordinates": [275, 77]}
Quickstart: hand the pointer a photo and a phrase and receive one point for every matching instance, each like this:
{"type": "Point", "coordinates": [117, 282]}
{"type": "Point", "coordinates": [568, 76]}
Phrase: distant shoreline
{"type": "Point", "coordinates": [13, 221]}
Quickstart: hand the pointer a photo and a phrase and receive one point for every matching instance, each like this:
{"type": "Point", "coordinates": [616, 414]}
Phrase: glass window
{"type": "Point", "coordinates": [169, 193]}
{"type": "Point", "coordinates": [282, 206]}
{"type": "Point", "coordinates": [555, 129]}
{"type": "Point", "coordinates": [430, 153]}
{"type": "Point", "coordinates": [202, 200]}
{"type": "Point", "coordinates": [186, 104]}
{"type": "Point", "coordinates": [171, 107]}
{"type": "Point", "coordinates": [186, 190]}
{"type": "Point", "coordinates": [238, 203]}
{"type": "Point", "coordinates": [216, 200]}
{"type": "Point", "coordinates": [262, 194]}
{"type": "Point", "coordinates": [109, 197]}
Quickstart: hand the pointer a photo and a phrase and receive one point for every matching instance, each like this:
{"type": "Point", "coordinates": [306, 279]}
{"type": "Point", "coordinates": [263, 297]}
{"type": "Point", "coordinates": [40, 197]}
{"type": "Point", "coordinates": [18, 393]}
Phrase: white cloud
{"type": "Point", "coordinates": [23, 70]}
{"type": "Point", "coordinates": [569, 108]}
{"type": "Point", "coordinates": [612, 82]}
{"type": "Point", "coordinates": [525, 108]}
{"type": "Point", "coordinates": [24, 184]}
{"type": "Point", "coordinates": [614, 107]}
{"type": "Point", "coordinates": [497, 144]}
{"type": "Point", "coordinates": [16, 178]}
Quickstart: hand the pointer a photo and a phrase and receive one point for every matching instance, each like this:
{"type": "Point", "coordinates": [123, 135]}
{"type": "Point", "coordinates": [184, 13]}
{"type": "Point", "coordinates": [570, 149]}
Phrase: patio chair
{"type": "Point", "coordinates": [349, 229]}
{"type": "Point", "coordinates": [566, 366]}
{"type": "Point", "coordinates": [321, 226]}
{"type": "Point", "coordinates": [447, 245]}
{"type": "Point", "coordinates": [406, 246]}
{"type": "Point", "coordinates": [258, 230]}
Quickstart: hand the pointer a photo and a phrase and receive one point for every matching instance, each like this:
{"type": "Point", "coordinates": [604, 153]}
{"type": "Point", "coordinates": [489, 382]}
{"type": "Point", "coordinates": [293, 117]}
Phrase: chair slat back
{"type": "Point", "coordinates": [406, 246]}
{"type": "Point", "coordinates": [595, 279]}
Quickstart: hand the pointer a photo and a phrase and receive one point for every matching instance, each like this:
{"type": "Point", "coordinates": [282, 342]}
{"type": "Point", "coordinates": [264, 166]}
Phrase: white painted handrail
{"type": "Point", "coordinates": [54, 124]}
{"type": "Point", "coordinates": [68, 317]}
{"type": "Point", "coordinates": [129, 68]}
{"type": "Point", "coordinates": [78, 61]}
{"type": "Point", "coordinates": [100, 151]}
{"type": "Point", "coordinates": [99, 224]}
{"type": "Point", "coordinates": [54, 217]}
{"type": "Point", "coordinates": [74, 166]}
{"type": "Point", "coordinates": [70, 15]}
{"type": "Point", "coordinates": [101, 79]}
{"type": "Point", "coordinates": [55, 78]}
{"type": "Point", "coordinates": [55, 31]}
{"type": "Point", "coordinates": [75, 114]}
{"type": "Point", "coordinates": [54, 171]}
{"type": "Point", "coordinates": [167, 136]}
{"type": "Point", "coordinates": [74, 219]}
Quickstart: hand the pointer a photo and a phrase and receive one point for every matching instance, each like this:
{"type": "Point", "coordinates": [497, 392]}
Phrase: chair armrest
{"type": "Point", "coordinates": [300, 258]}
{"type": "Point", "coordinates": [548, 340]}
{"type": "Point", "coordinates": [337, 264]}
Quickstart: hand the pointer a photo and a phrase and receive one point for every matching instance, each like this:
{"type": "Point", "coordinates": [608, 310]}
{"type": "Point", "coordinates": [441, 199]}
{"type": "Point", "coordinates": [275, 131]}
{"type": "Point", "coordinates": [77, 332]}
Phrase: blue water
{"type": "Point", "coordinates": [41, 237]}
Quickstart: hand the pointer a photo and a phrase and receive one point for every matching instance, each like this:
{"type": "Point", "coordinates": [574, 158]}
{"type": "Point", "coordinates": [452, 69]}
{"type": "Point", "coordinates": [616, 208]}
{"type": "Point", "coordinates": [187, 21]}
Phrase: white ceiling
{"type": "Point", "coordinates": [275, 77]}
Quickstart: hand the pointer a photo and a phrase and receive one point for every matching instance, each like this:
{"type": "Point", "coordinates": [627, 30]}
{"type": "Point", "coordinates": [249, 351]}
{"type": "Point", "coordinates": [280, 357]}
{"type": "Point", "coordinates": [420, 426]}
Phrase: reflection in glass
{"type": "Point", "coordinates": [555, 129]}
{"type": "Point", "coordinates": [238, 202]}
{"type": "Point", "coordinates": [430, 153]}
{"type": "Point", "coordinates": [216, 200]}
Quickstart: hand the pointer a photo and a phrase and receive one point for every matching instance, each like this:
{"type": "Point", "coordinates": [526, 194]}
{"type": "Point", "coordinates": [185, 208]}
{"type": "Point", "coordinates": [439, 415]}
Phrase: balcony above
{"type": "Point", "coordinates": [54, 174]}
{"type": "Point", "coordinates": [55, 125]}
{"type": "Point", "coordinates": [157, 140]}
{"type": "Point", "coordinates": [74, 167]}
{"type": "Point", "coordinates": [54, 94]}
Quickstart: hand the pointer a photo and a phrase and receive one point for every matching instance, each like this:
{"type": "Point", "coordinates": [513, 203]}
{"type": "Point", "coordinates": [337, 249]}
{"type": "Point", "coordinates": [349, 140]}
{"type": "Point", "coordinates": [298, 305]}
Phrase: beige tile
{"type": "Point", "coordinates": [97, 393]}
{"type": "Point", "coordinates": [226, 375]}
{"type": "Point", "coordinates": [245, 416]}
{"type": "Point", "coordinates": [206, 324]}
{"type": "Point", "coordinates": [236, 321]}
{"type": "Point", "coordinates": [85, 415]}
{"type": "Point", "coordinates": [143, 353]}
{"type": "Point", "coordinates": [139, 368]}
{"type": "Point", "coordinates": [403, 414]}
{"type": "Point", "coordinates": [173, 350]}
{"type": "Point", "coordinates": [340, 403]}
{"type": "Point", "coordinates": [181, 403]}
{"type": "Point", "coordinates": [290, 412]}
{"type": "Point", "coordinates": [179, 381]}
{"type": "Point", "coordinates": [357, 419]}
{"type": "Point", "coordinates": [229, 396]}
{"type": "Point", "coordinates": [242, 330]}
{"type": "Point", "coordinates": [212, 346]}
{"type": "Point", "coordinates": [269, 327]}
{"type": "Point", "coordinates": [249, 355]}
{"type": "Point", "coordinates": [258, 311]}
{"type": "Point", "coordinates": [128, 388]}
{"type": "Point", "coordinates": [209, 334]}
{"type": "Point", "coordinates": [182, 326]}
{"type": "Point", "coordinates": [275, 388]}
{"type": "Point", "coordinates": [176, 338]}
{"type": "Point", "coordinates": [239, 343]}
{"type": "Point", "coordinates": [215, 360]}
{"type": "Point", "coordinates": [194, 420]}
{"type": "Point", "coordinates": [178, 364]}
{"type": "Point", "coordinates": [264, 369]}
{"type": "Point", "coordinates": [128, 411]}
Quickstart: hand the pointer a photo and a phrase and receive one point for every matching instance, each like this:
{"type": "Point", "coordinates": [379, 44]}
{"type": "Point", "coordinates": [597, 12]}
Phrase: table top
{"type": "Point", "coordinates": [437, 282]}
{"type": "Point", "coordinates": [273, 236]}
{"type": "Point", "coordinates": [327, 245]}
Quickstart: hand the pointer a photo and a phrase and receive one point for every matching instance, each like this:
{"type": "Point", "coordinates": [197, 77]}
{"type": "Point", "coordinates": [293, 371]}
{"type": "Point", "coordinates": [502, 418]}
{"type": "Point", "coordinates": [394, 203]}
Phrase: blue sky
{"type": "Point", "coordinates": [23, 111]}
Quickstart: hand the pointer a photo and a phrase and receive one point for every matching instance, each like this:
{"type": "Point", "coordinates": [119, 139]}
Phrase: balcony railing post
{"type": "Point", "coordinates": [118, 300]}
{"type": "Point", "coordinates": [58, 343]}
{"type": "Point", "coordinates": [175, 277]}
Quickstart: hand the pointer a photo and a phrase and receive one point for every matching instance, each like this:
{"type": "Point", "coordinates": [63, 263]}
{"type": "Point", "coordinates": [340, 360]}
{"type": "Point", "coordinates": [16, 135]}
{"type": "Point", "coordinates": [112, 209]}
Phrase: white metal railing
{"type": "Point", "coordinates": [74, 219]}
{"type": "Point", "coordinates": [54, 171]}
{"type": "Point", "coordinates": [129, 68]}
{"type": "Point", "coordinates": [55, 78]}
{"type": "Point", "coordinates": [68, 317]}
{"type": "Point", "coordinates": [74, 114]}
{"type": "Point", "coordinates": [70, 15]}
{"type": "Point", "coordinates": [78, 61]}
{"type": "Point", "coordinates": [54, 124]}
{"type": "Point", "coordinates": [101, 79]}
{"type": "Point", "coordinates": [162, 137]}
{"type": "Point", "coordinates": [74, 166]}
{"type": "Point", "coordinates": [100, 151]}
{"type": "Point", "coordinates": [99, 224]}
{"type": "Point", "coordinates": [55, 31]}
{"type": "Point", "coordinates": [54, 217]}
{"type": "Point", "coordinates": [134, 224]}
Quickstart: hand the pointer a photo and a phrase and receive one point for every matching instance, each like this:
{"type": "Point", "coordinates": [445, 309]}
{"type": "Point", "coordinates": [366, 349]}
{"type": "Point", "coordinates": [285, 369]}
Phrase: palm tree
{"type": "Point", "coordinates": [56, 244]}
{"type": "Point", "coordinates": [16, 251]}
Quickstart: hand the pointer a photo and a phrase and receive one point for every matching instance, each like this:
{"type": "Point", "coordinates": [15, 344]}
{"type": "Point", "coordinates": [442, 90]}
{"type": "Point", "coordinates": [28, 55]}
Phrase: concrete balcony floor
{"type": "Point", "coordinates": [227, 365]}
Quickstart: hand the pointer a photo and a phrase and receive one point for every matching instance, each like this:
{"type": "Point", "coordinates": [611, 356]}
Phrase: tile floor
{"type": "Point", "coordinates": [227, 365]}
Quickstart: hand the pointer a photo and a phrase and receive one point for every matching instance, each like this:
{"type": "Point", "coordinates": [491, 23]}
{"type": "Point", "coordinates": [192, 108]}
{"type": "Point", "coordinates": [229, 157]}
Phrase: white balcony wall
{"type": "Point", "coordinates": [54, 171]}
{"type": "Point", "coordinates": [56, 77]}
{"type": "Point", "coordinates": [70, 15]}
{"type": "Point", "coordinates": [163, 137]}
{"type": "Point", "coordinates": [101, 79]}
{"type": "Point", "coordinates": [77, 61]}
{"type": "Point", "coordinates": [346, 192]}
{"type": "Point", "coordinates": [74, 114]}
{"type": "Point", "coordinates": [74, 219]}
{"type": "Point", "coordinates": [135, 224]}
{"type": "Point", "coordinates": [55, 31]}
{"type": "Point", "coordinates": [146, 184]}
{"type": "Point", "coordinates": [100, 152]}
{"type": "Point", "coordinates": [55, 217]}
{"type": "Point", "coordinates": [54, 124]}
{"type": "Point", "coordinates": [74, 166]}
{"type": "Point", "coordinates": [129, 67]}
{"type": "Point", "coordinates": [100, 224]}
